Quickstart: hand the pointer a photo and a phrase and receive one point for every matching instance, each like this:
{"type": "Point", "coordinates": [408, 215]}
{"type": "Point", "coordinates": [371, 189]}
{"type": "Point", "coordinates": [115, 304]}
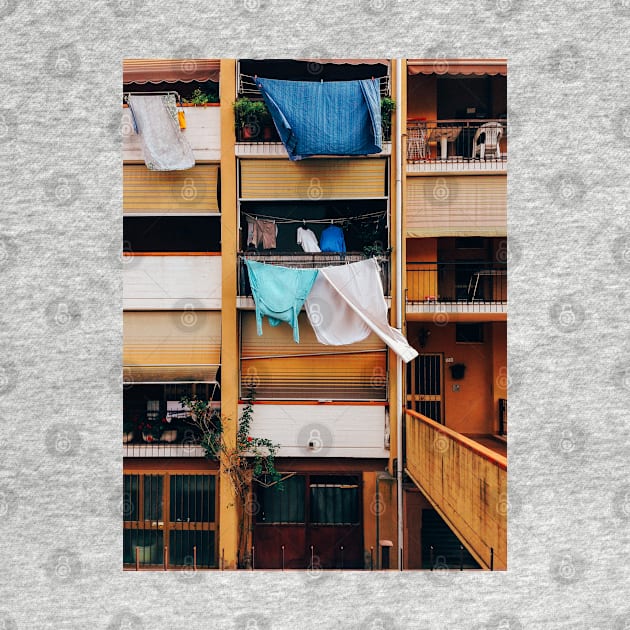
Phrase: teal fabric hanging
{"type": "Point", "coordinates": [279, 293]}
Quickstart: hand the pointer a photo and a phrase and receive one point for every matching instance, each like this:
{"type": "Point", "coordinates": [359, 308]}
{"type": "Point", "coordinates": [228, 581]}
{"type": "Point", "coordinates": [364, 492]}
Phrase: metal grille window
{"type": "Point", "coordinates": [282, 506]}
{"type": "Point", "coordinates": [334, 501]}
{"type": "Point", "coordinates": [169, 520]}
{"type": "Point", "coordinates": [469, 333]}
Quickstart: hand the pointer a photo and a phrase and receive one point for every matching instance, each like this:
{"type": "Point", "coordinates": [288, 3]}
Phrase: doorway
{"type": "Point", "coordinates": [424, 386]}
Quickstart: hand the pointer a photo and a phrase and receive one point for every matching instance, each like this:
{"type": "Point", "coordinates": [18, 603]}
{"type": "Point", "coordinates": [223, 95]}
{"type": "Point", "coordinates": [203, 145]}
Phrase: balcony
{"type": "Point", "coordinates": [456, 287]}
{"type": "Point", "coordinates": [465, 481]}
{"type": "Point", "coordinates": [203, 131]}
{"type": "Point", "coordinates": [302, 261]}
{"type": "Point", "coordinates": [256, 134]}
{"type": "Point", "coordinates": [457, 145]}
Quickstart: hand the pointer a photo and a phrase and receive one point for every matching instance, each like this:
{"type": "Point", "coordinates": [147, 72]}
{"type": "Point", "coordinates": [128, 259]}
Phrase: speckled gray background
{"type": "Point", "coordinates": [60, 401]}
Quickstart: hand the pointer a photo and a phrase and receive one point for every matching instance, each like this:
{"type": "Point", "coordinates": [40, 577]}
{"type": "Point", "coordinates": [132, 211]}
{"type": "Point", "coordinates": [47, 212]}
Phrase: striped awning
{"type": "Point", "coordinates": [351, 62]}
{"type": "Point", "coordinates": [477, 67]}
{"type": "Point", "coordinates": [142, 71]}
{"type": "Point", "coordinates": [461, 205]}
{"type": "Point", "coordinates": [315, 179]}
{"type": "Point", "coordinates": [170, 192]}
{"type": "Point", "coordinates": [171, 346]}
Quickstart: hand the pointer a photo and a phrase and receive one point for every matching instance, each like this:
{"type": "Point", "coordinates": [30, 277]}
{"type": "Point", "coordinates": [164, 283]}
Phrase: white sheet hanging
{"type": "Point", "coordinates": [346, 303]}
{"type": "Point", "coordinates": [164, 146]}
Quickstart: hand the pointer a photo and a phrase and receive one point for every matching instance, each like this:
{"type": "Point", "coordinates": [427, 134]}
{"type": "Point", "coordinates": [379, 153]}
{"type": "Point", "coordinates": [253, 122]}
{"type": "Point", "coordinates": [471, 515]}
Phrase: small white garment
{"type": "Point", "coordinates": [346, 303]}
{"type": "Point", "coordinates": [307, 239]}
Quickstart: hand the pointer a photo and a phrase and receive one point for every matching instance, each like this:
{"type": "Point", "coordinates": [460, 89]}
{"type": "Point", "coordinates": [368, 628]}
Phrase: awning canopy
{"type": "Point", "coordinates": [477, 67]}
{"type": "Point", "coordinates": [143, 71]}
{"type": "Point", "coordinates": [171, 346]}
{"type": "Point", "coordinates": [352, 62]}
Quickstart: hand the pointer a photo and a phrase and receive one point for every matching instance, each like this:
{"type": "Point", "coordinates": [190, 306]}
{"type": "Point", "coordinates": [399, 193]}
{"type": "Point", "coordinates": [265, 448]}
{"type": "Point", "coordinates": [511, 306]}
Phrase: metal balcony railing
{"type": "Point", "coordinates": [305, 261]}
{"type": "Point", "coordinates": [457, 144]}
{"type": "Point", "coordinates": [474, 285]}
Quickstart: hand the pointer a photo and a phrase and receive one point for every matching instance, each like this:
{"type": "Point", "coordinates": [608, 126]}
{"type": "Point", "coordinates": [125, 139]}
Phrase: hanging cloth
{"type": "Point", "coordinates": [346, 303]}
{"type": "Point", "coordinates": [332, 240]}
{"type": "Point", "coordinates": [261, 232]}
{"type": "Point", "coordinates": [164, 146]}
{"type": "Point", "coordinates": [279, 293]}
{"type": "Point", "coordinates": [307, 239]}
{"type": "Point", "coordinates": [325, 118]}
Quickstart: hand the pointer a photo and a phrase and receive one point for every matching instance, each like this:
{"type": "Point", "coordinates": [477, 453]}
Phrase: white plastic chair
{"type": "Point", "coordinates": [417, 142]}
{"type": "Point", "coordinates": [492, 141]}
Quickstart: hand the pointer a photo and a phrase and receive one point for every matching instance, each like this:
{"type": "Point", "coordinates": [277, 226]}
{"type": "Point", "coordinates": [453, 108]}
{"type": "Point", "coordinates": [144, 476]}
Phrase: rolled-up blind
{"type": "Point", "coordinates": [171, 346]}
{"type": "Point", "coordinates": [280, 369]}
{"type": "Point", "coordinates": [193, 191]}
{"type": "Point", "coordinates": [314, 179]}
{"type": "Point", "coordinates": [464, 205]}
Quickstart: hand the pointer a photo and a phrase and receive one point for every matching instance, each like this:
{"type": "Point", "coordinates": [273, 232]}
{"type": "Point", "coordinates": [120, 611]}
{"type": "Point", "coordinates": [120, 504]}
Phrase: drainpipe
{"type": "Point", "coordinates": [399, 306]}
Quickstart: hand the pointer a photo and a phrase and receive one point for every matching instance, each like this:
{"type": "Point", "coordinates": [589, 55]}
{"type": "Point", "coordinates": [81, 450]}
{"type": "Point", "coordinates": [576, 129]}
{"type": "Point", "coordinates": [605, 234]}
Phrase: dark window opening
{"type": "Point", "coordinates": [360, 232]}
{"type": "Point", "coordinates": [472, 242]}
{"type": "Point", "coordinates": [334, 500]}
{"type": "Point", "coordinates": [469, 333]}
{"type": "Point", "coordinates": [471, 98]}
{"type": "Point", "coordinates": [172, 234]}
{"type": "Point", "coordinates": [286, 505]}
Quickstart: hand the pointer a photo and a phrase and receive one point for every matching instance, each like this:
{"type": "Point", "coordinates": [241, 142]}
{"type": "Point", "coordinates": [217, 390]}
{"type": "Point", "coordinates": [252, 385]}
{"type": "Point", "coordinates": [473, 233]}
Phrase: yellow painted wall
{"type": "Point", "coordinates": [228, 539]}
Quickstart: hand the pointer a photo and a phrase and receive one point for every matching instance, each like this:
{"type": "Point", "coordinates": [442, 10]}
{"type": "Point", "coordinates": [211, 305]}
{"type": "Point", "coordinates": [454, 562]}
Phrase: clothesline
{"type": "Point", "coordinates": [283, 220]}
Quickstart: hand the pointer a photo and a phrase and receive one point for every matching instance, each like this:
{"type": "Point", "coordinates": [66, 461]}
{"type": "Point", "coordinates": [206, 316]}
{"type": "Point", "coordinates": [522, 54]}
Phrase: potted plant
{"type": "Point", "coordinates": [388, 106]}
{"type": "Point", "coordinates": [252, 119]}
{"type": "Point", "coordinates": [157, 428]}
{"type": "Point", "coordinates": [199, 98]}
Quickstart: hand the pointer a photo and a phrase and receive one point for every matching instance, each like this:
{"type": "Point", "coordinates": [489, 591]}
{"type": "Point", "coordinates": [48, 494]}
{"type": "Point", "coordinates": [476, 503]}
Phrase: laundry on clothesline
{"type": "Point", "coordinates": [279, 293]}
{"type": "Point", "coordinates": [332, 240]}
{"type": "Point", "coordinates": [307, 239]}
{"type": "Point", "coordinates": [346, 303]}
{"type": "Point", "coordinates": [261, 232]}
{"type": "Point", "coordinates": [164, 146]}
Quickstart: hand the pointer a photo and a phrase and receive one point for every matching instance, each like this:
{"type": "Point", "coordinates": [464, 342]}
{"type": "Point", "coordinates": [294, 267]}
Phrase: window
{"type": "Point", "coordinates": [334, 500]}
{"type": "Point", "coordinates": [469, 333]}
{"type": "Point", "coordinates": [181, 518]}
{"type": "Point", "coordinates": [172, 234]}
{"type": "Point", "coordinates": [282, 506]}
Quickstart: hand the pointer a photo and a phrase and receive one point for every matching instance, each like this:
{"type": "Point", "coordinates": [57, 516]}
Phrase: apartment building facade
{"type": "Point", "coordinates": [338, 413]}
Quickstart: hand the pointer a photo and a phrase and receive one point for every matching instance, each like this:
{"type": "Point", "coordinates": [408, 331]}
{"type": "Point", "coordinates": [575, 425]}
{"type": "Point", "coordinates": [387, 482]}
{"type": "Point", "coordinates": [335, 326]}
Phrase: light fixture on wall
{"type": "Point", "coordinates": [423, 337]}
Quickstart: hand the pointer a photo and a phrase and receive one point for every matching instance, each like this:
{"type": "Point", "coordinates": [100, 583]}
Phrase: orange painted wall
{"type": "Point", "coordinates": [422, 96]}
{"type": "Point", "coordinates": [421, 249]}
{"type": "Point", "coordinates": [499, 366]}
{"type": "Point", "coordinates": [474, 408]}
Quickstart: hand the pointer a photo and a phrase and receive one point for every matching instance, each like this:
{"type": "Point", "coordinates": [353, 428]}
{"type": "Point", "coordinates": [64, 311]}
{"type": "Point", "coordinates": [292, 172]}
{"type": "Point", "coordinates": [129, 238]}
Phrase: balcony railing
{"type": "Point", "coordinates": [465, 482]}
{"type": "Point", "coordinates": [182, 442]}
{"type": "Point", "coordinates": [305, 261]}
{"type": "Point", "coordinates": [466, 286]}
{"type": "Point", "coordinates": [457, 144]}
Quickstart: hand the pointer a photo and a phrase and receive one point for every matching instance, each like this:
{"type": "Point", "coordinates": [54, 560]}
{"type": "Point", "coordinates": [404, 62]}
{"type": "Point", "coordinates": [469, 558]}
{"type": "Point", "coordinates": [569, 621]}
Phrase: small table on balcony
{"type": "Point", "coordinates": [444, 135]}
{"type": "Point", "coordinates": [473, 283]}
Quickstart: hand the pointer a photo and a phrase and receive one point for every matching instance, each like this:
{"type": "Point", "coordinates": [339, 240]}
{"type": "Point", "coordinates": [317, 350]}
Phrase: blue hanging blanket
{"type": "Point", "coordinates": [325, 118]}
{"type": "Point", "coordinates": [279, 293]}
